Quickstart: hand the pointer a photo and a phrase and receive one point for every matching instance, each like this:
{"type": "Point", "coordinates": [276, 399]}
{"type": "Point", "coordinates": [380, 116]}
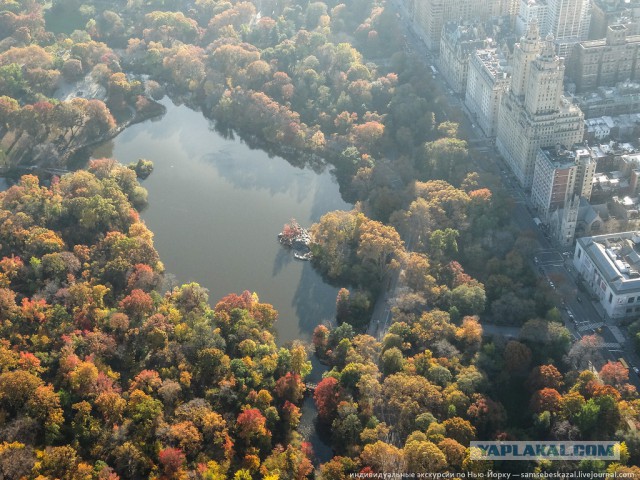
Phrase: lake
{"type": "Point", "coordinates": [216, 207]}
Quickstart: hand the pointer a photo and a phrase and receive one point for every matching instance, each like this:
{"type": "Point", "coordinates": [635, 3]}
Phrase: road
{"type": "Point", "coordinates": [381, 316]}
{"type": "Point", "coordinates": [580, 315]}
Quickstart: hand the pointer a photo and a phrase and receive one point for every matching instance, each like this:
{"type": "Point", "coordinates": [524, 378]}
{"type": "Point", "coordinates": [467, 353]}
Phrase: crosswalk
{"type": "Point", "coordinates": [589, 326]}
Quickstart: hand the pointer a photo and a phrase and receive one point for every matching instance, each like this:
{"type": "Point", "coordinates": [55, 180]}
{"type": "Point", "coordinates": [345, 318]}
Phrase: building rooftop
{"type": "Point", "coordinates": [614, 6]}
{"type": "Point", "coordinates": [617, 258]}
{"type": "Point", "coordinates": [622, 92]}
{"type": "Point", "coordinates": [494, 62]}
{"type": "Point", "coordinates": [560, 157]}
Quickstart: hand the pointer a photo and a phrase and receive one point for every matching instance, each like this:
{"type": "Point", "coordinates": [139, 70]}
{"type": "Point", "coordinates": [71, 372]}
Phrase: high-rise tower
{"type": "Point", "coordinates": [533, 113]}
{"type": "Point", "coordinates": [568, 21]}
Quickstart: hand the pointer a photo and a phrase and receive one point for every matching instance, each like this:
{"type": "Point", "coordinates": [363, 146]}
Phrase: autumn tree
{"type": "Point", "coordinates": [382, 457]}
{"type": "Point", "coordinates": [614, 373]}
{"type": "Point", "coordinates": [327, 397]}
{"type": "Point", "coordinates": [424, 456]}
{"type": "Point", "coordinates": [380, 246]}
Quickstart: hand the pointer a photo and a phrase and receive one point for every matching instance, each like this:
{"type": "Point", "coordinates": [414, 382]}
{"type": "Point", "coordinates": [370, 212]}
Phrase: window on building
{"type": "Point", "coordinates": [631, 299]}
{"type": "Point", "coordinates": [579, 253]}
{"type": "Point", "coordinates": [610, 297]}
{"type": "Point", "coordinates": [629, 310]}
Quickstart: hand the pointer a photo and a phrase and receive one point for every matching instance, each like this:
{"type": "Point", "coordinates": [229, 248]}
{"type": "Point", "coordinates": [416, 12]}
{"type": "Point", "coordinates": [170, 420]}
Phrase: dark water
{"type": "Point", "coordinates": [216, 207]}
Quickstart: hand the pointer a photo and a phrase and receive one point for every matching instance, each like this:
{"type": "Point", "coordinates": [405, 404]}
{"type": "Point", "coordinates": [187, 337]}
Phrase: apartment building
{"type": "Point", "coordinates": [487, 80]}
{"type": "Point", "coordinates": [559, 175]}
{"type": "Point", "coordinates": [533, 112]}
{"type": "Point", "coordinates": [606, 62]}
{"type": "Point", "coordinates": [567, 20]}
{"type": "Point", "coordinates": [613, 12]}
{"type": "Point", "coordinates": [457, 44]}
{"type": "Point", "coordinates": [431, 15]}
{"type": "Point", "coordinates": [622, 99]}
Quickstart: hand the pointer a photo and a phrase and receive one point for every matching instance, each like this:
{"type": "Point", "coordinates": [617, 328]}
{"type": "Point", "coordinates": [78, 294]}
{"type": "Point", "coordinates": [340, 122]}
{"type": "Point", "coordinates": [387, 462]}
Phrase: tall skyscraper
{"type": "Point", "coordinates": [568, 22]}
{"type": "Point", "coordinates": [533, 112]}
{"type": "Point", "coordinates": [431, 15]}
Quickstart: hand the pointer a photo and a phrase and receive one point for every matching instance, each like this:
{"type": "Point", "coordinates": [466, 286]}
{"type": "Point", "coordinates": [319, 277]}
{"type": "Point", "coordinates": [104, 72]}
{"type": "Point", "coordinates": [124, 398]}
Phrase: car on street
{"type": "Point", "coordinates": [636, 370]}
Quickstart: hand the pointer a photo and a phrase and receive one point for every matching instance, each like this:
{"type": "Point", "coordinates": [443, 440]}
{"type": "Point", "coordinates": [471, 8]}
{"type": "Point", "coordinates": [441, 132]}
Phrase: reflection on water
{"type": "Point", "coordinates": [216, 206]}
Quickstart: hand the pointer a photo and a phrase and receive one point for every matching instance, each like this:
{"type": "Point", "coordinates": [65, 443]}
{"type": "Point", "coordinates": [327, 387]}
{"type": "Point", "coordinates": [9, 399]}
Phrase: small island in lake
{"type": "Point", "coordinates": [296, 238]}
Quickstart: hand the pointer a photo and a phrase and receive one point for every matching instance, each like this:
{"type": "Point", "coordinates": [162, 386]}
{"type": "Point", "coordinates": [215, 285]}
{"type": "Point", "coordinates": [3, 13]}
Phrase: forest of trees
{"type": "Point", "coordinates": [101, 375]}
{"type": "Point", "coordinates": [105, 374]}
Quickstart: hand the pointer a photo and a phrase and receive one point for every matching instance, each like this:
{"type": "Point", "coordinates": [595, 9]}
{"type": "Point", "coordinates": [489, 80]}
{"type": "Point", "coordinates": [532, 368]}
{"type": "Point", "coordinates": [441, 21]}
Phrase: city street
{"type": "Point", "coordinates": [581, 315]}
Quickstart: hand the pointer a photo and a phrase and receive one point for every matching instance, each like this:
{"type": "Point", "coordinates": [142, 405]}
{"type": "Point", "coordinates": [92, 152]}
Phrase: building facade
{"type": "Point", "coordinates": [568, 22]}
{"type": "Point", "coordinates": [606, 62]}
{"type": "Point", "coordinates": [488, 79]}
{"type": "Point", "coordinates": [560, 175]}
{"type": "Point", "coordinates": [533, 113]}
{"type": "Point", "coordinates": [610, 265]}
{"type": "Point", "coordinates": [527, 11]}
{"type": "Point", "coordinates": [431, 15]}
{"type": "Point", "coordinates": [613, 12]}
{"type": "Point", "coordinates": [457, 44]}
{"type": "Point", "coordinates": [622, 99]}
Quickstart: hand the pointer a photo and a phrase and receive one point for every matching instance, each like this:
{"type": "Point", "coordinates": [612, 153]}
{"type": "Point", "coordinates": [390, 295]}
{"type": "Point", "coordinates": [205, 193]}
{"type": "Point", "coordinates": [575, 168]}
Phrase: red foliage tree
{"type": "Point", "coordinates": [327, 398]}
{"type": "Point", "coordinates": [172, 460]}
{"type": "Point", "coordinates": [251, 424]}
{"type": "Point", "coordinates": [143, 277]}
{"type": "Point", "coordinates": [614, 373]}
{"type": "Point", "coordinates": [485, 413]}
{"type": "Point", "coordinates": [291, 230]}
{"type": "Point", "coordinates": [546, 399]}
{"type": "Point", "coordinates": [291, 415]}
{"type": "Point", "coordinates": [137, 303]}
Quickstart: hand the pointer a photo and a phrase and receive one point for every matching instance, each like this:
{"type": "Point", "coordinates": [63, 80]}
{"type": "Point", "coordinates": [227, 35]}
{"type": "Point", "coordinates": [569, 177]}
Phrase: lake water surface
{"type": "Point", "coordinates": [216, 207]}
